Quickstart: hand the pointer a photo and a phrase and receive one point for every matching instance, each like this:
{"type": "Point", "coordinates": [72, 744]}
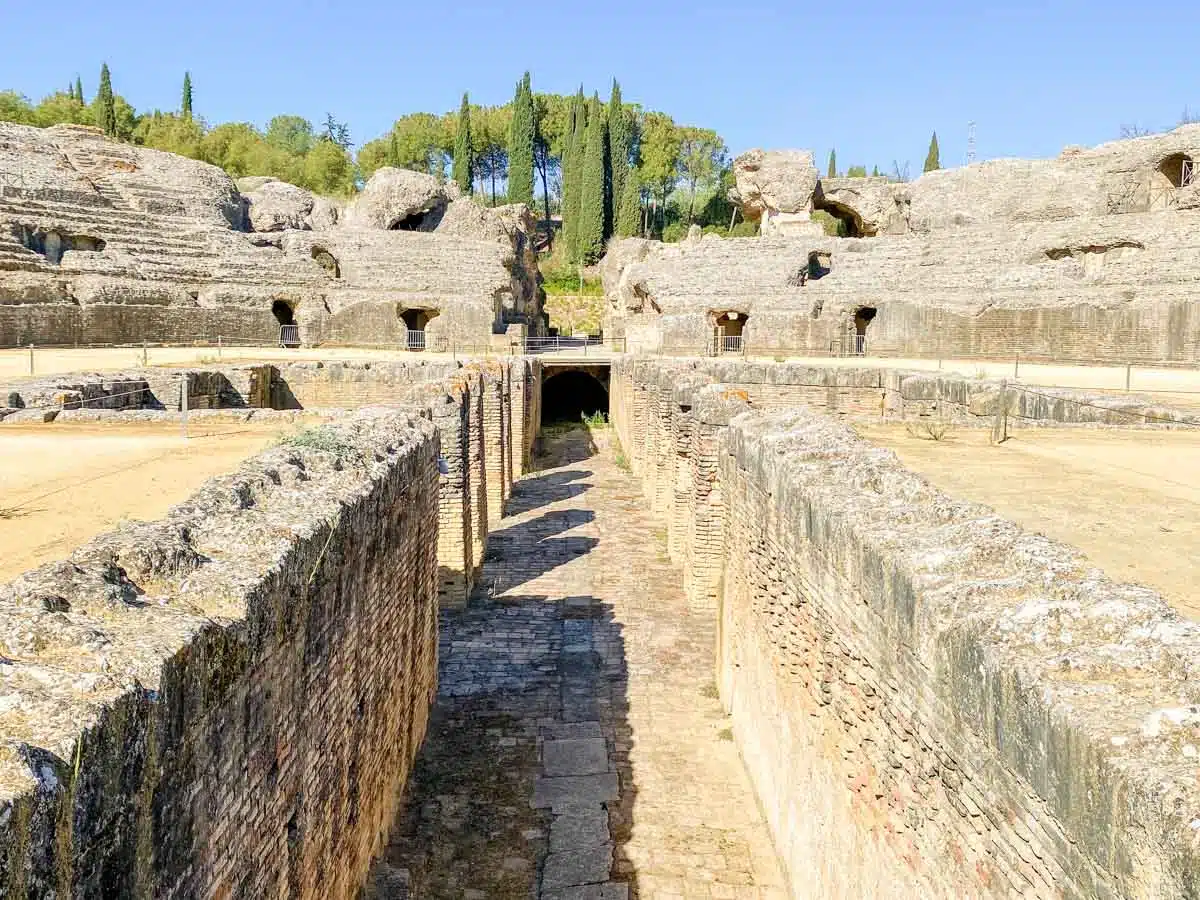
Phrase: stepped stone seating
{"type": "Point", "coordinates": [1093, 255]}
{"type": "Point", "coordinates": [103, 242]}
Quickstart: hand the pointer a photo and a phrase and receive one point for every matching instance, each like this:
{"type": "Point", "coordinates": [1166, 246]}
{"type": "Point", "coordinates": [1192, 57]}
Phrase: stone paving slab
{"type": "Point", "coordinates": [587, 756]}
{"type": "Point", "coordinates": [577, 750]}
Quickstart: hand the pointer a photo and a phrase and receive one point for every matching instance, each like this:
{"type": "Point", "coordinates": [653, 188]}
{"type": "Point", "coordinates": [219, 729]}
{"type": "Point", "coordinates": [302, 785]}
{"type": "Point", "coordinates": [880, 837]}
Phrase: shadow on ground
{"type": "Point", "coordinates": [514, 793]}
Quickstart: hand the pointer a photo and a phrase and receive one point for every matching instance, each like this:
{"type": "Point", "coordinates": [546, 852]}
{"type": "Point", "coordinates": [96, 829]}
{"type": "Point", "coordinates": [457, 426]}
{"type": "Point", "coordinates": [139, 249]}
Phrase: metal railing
{"type": "Point", "coordinates": [593, 343]}
{"type": "Point", "coordinates": [415, 340]}
{"type": "Point", "coordinates": [289, 335]}
{"type": "Point", "coordinates": [730, 343]}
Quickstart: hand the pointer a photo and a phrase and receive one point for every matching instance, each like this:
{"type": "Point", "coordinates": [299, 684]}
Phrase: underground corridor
{"type": "Point", "coordinates": [577, 748]}
{"type": "Point", "coordinates": [570, 393]}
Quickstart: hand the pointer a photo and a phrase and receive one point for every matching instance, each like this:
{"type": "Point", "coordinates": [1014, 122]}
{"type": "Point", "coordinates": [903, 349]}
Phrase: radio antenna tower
{"type": "Point", "coordinates": [970, 143]}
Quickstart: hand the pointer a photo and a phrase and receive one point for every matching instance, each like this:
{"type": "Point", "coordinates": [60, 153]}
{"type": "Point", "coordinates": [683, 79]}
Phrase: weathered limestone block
{"type": "Point", "coordinates": [278, 206]}
{"type": "Point", "coordinates": [873, 205]}
{"type": "Point", "coordinates": [401, 199]}
{"type": "Point", "coordinates": [778, 181]}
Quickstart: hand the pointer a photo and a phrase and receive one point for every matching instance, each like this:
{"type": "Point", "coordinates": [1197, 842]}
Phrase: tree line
{"type": "Point", "coordinates": [933, 160]}
{"type": "Point", "coordinates": [606, 167]}
{"type": "Point", "coordinates": [290, 148]}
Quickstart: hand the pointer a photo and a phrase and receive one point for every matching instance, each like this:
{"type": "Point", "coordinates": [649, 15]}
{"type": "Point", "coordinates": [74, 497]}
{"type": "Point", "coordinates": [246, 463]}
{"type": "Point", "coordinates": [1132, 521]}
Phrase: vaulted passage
{"type": "Point", "coordinates": [577, 738]}
{"type": "Point", "coordinates": [568, 396]}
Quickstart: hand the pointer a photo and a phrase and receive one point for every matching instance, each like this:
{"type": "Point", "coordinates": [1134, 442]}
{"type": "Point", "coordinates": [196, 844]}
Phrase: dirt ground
{"type": "Point", "coordinates": [62, 484]}
{"type": "Point", "coordinates": [1130, 500]}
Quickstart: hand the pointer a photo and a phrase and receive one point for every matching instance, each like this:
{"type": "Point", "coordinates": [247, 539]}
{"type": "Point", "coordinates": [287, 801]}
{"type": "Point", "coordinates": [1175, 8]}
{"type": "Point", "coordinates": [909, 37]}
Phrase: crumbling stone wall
{"type": "Point", "coordinates": [930, 702]}
{"type": "Point", "coordinates": [227, 702]}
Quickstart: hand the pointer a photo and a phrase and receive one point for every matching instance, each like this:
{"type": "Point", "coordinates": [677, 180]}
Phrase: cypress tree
{"type": "Point", "coordinates": [620, 141]}
{"type": "Point", "coordinates": [629, 214]}
{"type": "Point", "coordinates": [590, 238]}
{"type": "Point", "coordinates": [832, 173]}
{"type": "Point", "coordinates": [186, 106]}
{"type": "Point", "coordinates": [932, 158]}
{"type": "Point", "coordinates": [462, 149]}
{"type": "Point", "coordinates": [106, 114]}
{"type": "Point", "coordinates": [79, 89]}
{"type": "Point", "coordinates": [520, 145]}
{"type": "Point", "coordinates": [572, 175]}
{"type": "Point", "coordinates": [875, 172]}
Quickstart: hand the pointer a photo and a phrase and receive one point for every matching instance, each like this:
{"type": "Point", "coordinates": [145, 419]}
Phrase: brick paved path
{"type": "Point", "coordinates": [577, 749]}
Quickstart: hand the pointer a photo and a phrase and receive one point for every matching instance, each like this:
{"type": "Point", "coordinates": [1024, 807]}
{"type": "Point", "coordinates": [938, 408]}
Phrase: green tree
{"type": "Point", "coordinates": [856, 172]}
{"type": "Point", "coordinates": [336, 132]}
{"type": "Point", "coordinates": [489, 134]}
{"type": "Point", "coordinates": [520, 145]}
{"type": "Point", "coordinates": [15, 108]}
{"type": "Point", "coordinates": [573, 174]}
{"type": "Point", "coordinates": [185, 108]}
{"type": "Point", "coordinates": [291, 134]}
{"type": "Point", "coordinates": [105, 112]}
{"type": "Point", "coordinates": [932, 158]}
{"type": "Point", "coordinates": [832, 172]}
{"type": "Point", "coordinates": [590, 238]}
{"type": "Point", "coordinates": [418, 141]}
{"type": "Point", "coordinates": [875, 172]}
{"type": "Point", "coordinates": [60, 108]}
{"type": "Point", "coordinates": [629, 213]}
{"type": "Point", "coordinates": [170, 132]}
{"type": "Point", "coordinates": [462, 148]}
{"type": "Point", "coordinates": [328, 169]}
{"type": "Point", "coordinates": [620, 146]}
{"type": "Point", "coordinates": [550, 125]}
{"type": "Point", "coordinates": [79, 90]}
{"type": "Point", "coordinates": [702, 156]}
{"type": "Point", "coordinates": [659, 147]}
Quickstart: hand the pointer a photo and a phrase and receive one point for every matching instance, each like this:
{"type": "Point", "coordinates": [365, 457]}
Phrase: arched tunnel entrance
{"type": "Point", "coordinates": [571, 392]}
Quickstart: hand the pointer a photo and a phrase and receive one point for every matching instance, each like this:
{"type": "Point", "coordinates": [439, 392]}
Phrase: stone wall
{"type": "Point", "coordinates": [227, 702]}
{"type": "Point", "coordinates": [930, 702]}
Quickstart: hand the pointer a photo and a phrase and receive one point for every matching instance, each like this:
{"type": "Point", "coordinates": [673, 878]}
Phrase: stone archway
{"type": "Point", "coordinates": [416, 325]}
{"type": "Point", "coordinates": [570, 393]}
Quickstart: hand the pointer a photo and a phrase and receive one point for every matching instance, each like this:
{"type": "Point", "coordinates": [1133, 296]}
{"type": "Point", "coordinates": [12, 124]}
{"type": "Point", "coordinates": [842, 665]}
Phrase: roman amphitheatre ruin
{"type": "Point", "coordinates": [878, 581]}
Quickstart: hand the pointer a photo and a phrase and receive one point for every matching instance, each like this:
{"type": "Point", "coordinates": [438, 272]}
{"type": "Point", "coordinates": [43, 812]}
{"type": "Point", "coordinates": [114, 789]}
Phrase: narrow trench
{"type": "Point", "coordinates": [577, 747]}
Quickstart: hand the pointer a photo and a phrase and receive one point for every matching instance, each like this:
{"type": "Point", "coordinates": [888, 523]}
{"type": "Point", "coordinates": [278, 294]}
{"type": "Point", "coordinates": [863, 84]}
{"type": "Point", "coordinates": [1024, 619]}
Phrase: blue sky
{"type": "Point", "coordinates": [873, 79]}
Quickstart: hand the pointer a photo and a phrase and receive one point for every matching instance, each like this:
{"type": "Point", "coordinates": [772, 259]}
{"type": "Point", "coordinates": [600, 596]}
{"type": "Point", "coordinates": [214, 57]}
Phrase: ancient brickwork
{"type": "Point", "coordinates": [237, 691]}
{"type": "Point", "coordinates": [929, 701]}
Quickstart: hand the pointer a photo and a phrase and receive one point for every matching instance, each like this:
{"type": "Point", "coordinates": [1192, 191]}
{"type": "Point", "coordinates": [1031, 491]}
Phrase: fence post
{"type": "Point", "coordinates": [1128, 375]}
{"type": "Point", "coordinates": [1000, 424]}
{"type": "Point", "coordinates": [183, 403]}
{"type": "Point", "coordinates": [145, 354]}
{"type": "Point", "coordinates": [31, 359]}
{"type": "Point", "coordinates": [218, 346]}
{"type": "Point", "coordinates": [1017, 365]}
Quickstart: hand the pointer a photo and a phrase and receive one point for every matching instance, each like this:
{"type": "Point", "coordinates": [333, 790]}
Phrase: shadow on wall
{"type": "Point", "coordinates": [516, 670]}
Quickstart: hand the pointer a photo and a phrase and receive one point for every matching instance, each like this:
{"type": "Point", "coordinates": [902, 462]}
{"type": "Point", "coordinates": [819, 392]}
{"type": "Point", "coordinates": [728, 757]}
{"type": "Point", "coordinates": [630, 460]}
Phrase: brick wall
{"type": "Point", "coordinates": [238, 691]}
{"type": "Point", "coordinates": [930, 702]}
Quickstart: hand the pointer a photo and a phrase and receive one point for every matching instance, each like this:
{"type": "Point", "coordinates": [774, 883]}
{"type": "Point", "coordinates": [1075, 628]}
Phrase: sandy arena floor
{"type": "Point", "coordinates": [62, 484]}
{"type": "Point", "coordinates": [1130, 500]}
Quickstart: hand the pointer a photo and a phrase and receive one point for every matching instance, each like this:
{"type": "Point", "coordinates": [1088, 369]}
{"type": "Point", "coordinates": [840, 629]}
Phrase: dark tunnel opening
{"type": "Point", "coordinates": [569, 396]}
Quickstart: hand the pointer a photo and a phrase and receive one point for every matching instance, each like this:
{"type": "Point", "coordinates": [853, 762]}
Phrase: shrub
{"type": "Point", "coordinates": [674, 233]}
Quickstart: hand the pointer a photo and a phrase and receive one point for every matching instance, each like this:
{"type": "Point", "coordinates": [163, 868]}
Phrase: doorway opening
{"type": "Point", "coordinates": [415, 323]}
{"type": "Point", "coordinates": [289, 331]}
{"type": "Point", "coordinates": [569, 396]}
{"type": "Point", "coordinates": [863, 317]}
{"type": "Point", "coordinates": [728, 331]}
